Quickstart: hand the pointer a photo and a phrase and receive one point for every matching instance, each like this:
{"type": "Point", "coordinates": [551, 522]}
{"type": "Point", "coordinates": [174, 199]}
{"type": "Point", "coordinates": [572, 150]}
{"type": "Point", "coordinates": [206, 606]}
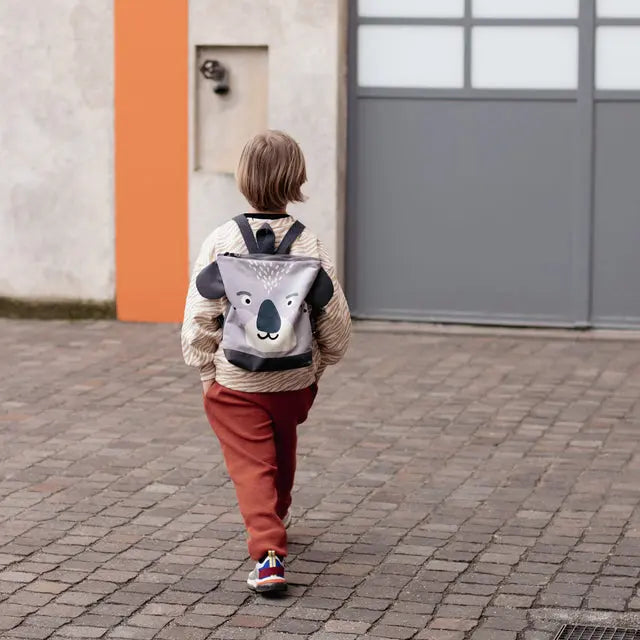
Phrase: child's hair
{"type": "Point", "coordinates": [271, 171]}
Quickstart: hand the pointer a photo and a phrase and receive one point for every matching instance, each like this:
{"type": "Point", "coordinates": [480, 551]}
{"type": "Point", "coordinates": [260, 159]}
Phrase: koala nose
{"type": "Point", "coordinates": [268, 318]}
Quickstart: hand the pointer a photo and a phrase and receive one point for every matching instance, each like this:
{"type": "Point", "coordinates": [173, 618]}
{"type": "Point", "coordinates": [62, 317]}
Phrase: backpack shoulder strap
{"type": "Point", "coordinates": [247, 234]}
{"type": "Point", "coordinates": [290, 237]}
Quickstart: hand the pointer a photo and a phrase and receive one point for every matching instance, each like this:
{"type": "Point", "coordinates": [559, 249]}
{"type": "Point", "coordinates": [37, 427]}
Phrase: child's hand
{"type": "Point", "coordinates": [206, 385]}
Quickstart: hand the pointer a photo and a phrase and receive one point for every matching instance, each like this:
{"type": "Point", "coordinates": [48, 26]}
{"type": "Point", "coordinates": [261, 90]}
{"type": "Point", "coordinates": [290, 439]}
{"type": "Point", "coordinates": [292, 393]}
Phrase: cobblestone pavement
{"type": "Point", "coordinates": [449, 487]}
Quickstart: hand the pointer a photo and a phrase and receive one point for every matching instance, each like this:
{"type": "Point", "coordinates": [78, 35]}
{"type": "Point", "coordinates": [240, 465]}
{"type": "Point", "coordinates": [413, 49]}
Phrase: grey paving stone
{"type": "Point", "coordinates": [449, 488]}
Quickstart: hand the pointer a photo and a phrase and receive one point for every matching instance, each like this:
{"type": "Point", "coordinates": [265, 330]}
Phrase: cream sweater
{"type": "Point", "coordinates": [201, 332]}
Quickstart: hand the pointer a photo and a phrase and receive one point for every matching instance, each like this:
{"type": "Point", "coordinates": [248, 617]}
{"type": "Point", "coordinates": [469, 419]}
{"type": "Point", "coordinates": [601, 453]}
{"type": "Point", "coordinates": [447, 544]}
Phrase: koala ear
{"type": "Point", "coordinates": [321, 291]}
{"type": "Point", "coordinates": [209, 282]}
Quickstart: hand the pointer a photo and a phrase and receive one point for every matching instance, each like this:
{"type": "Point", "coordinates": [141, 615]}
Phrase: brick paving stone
{"type": "Point", "coordinates": [493, 634]}
{"type": "Point", "coordinates": [388, 632]}
{"type": "Point", "coordinates": [356, 614]}
{"type": "Point", "coordinates": [467, 600]}
{"type": "Point", "coordinates": [125, 598]}
{"type": "Point", "coordinates": [219, 596]}
{"type": "Point", "coordinates": [330, 635]}
{"type": "Point", "coordinates": [305, 613]}
{"type": "Point", "coordinates": [452, 624]}
{"type": "Point", "coordinates": [93, 620]}
{"type": "Point", "coordinates": [149, 621]}
{"type": "Point", "coordinates": [172, 610]}
{"type": "Point", "coordinates": [606, 604]}
{"type": "Point", "coordinates": [17, 576]}
{"type": "Point", "coordinates": [227, 632]}
{"type": "Point", "coordinates": [561, 601]}
{"type": "Point", "coordinates": [31, 631]}
{"type": "Point", "coordinates": [438, 634]}
{"type": "Point", "coordinates": [344, 626]}
{"type": "Point", "coordinates": [176, 632]}
{"type": "Point", "coordinates": [84, 632]}
{"type": "Point", "coordinates": [47, 622]}
{"type": "Point", "coordinates": [450, 487]}
{"type": "Point", "coordinates": [201, 621]}
{"type": "Point", "coordinates": [514, 601]}
{"type": "Point", "coordinates": [61, 610]}
{"type": "Point", "coordinates": [419, 608]}
{"type": "Point", "coordinates": [252, 622]}
{"type": "Point", "coordinates": [12, 609]}
{"type": "Point", "coordinates": [459, 611]}
{"type": "Point", "coordinates": [504, 621]}
{"type": "Point", "coordinates": [330, 592]}
{"type": "Point", "coordinates": [76, 598]}
{"type": "Point", "coordinates": [296, 626]}
{"type": "Point", "coordinates": [398, 619]}
{"type": "Point", "coordinates": [9, 622]}
{"type": "Point", "coordinates": [132, 633]}
{"type": "Point", "coordinates": [47, 586]}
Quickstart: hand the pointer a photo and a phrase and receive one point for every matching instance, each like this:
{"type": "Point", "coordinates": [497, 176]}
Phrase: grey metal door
{"type": "Point", "coordinates": [494, 171]}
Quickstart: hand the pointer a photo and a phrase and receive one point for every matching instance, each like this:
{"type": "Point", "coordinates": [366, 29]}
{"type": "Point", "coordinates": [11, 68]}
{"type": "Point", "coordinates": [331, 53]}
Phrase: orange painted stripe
{"type": "Point", "coordinates": [151, 158]}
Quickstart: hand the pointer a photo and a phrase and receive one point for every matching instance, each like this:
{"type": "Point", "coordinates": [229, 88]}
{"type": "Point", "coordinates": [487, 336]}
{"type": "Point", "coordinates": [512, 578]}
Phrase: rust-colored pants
{"type": "Point", "coordinates": [258, 435]}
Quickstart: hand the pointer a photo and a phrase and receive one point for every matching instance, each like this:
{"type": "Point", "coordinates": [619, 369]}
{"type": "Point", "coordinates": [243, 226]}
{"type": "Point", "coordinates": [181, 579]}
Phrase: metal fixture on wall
{"type": "Point", "coordinates": [214, 70]}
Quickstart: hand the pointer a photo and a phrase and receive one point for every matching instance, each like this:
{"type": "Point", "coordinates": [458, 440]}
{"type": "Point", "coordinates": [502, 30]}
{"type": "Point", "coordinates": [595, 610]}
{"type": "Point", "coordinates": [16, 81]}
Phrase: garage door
{"type": "Point", "coordinates": [494, 161]}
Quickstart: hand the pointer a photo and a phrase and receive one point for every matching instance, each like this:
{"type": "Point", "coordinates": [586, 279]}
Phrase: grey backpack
{"type": "Point", "coordinates": [273, 297]}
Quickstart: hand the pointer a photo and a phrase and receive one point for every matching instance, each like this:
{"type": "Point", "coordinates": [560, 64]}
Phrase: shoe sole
{"type": "Point", "coordinates": [269, 587]}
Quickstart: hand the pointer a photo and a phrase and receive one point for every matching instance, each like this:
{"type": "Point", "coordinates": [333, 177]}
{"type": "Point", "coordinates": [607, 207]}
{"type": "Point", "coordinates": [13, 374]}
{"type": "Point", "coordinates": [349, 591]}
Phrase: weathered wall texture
{"type": "Point", "coordinates": [56, 131]}
{"type": "Point", "coordinates": [56, 149]}
{"type": "Point", "coordinates": [306, 81]}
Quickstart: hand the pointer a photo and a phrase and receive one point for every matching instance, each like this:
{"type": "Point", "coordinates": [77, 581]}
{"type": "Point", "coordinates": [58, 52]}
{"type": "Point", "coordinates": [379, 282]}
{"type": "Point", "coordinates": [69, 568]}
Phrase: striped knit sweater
{"type": "Point", "coordinates": [201, 332]}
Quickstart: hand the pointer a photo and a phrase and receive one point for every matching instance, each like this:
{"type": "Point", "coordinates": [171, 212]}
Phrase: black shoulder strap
{"type": "Point", "coordinates": [247, 234]}
{"type": "Point", "coordinates": [290, 237]}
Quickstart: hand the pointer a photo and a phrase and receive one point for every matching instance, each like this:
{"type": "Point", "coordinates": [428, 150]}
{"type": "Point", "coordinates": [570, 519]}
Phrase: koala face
{"type": "Point", "coordinates": [268, 298]}
{"type": "Point", "coordinates": [267, 321]}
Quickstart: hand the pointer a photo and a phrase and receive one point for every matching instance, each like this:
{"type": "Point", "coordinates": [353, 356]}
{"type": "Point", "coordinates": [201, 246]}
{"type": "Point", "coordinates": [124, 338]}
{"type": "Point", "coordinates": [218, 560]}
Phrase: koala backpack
{"type": "Point", "coordinates": [273, 298]}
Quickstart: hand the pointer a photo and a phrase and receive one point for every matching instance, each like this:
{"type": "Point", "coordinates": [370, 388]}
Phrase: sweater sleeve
{"type": "Point", "coordinates": [333, 326]}
{"type": "Point", "coordinates": [201, 330]}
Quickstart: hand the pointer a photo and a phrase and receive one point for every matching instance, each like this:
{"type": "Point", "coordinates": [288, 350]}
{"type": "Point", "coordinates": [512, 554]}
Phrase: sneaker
{"type": "Point", "coordinates": [268, 575]}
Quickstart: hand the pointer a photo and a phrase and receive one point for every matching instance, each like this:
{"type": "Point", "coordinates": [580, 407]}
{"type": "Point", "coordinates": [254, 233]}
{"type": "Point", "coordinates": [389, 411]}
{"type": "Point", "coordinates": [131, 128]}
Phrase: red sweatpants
{"type": "Point", "coordinates": [257, 432]}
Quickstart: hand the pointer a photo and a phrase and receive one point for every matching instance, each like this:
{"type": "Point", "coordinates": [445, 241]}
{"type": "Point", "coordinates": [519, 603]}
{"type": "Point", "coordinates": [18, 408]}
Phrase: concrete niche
{"type": "Point", "coordinates": [231, 103]}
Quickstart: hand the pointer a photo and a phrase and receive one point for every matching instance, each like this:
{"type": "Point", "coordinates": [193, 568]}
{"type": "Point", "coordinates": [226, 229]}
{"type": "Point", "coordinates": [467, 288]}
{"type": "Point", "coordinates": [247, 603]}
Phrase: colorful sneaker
{"type": "Point", "coordinates": [268, 575]}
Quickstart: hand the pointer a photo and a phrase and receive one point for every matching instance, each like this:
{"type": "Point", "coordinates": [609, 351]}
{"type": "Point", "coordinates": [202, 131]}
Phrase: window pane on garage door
{"type": "Point", "coordinates": [525, 8]}
{"type": "Point", "coordinates": [410, 56]}
{"type": "Point", "coordinates": [617, 58]}
{"type": "Point", "coordinates": [525, 57]}
{"type": "Point", "coordinates": [411, 8]}
{"type": "Point", "coordinates": [619, 8]}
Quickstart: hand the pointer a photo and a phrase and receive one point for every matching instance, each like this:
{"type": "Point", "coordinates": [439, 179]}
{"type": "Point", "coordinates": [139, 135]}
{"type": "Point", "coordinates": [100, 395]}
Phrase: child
{"type": "Point", "coordinates": [256, 402]}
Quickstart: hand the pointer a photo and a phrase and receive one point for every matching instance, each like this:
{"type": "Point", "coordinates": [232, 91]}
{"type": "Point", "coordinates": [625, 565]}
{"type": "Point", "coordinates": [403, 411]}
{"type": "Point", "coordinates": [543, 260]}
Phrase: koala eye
{"type": "Point", "coordinates": [245, 297]}
{"type": "Point", "coordinates": [289, 303]}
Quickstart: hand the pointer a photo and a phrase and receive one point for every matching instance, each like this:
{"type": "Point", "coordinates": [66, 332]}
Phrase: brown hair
{"type": "Point", "coordinates": [271, 171]}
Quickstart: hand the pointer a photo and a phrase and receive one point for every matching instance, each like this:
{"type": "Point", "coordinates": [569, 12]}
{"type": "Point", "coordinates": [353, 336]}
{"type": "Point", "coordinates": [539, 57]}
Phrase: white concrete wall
{"type": "Point", "coordinates": [306, 98]}
{"type": "Point", "coordinates": [56, 149]}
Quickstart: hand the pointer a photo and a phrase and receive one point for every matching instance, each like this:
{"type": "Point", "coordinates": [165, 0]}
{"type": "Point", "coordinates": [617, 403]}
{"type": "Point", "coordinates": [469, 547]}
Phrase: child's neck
{"type": "Point", "coordinates": [268, 213]}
